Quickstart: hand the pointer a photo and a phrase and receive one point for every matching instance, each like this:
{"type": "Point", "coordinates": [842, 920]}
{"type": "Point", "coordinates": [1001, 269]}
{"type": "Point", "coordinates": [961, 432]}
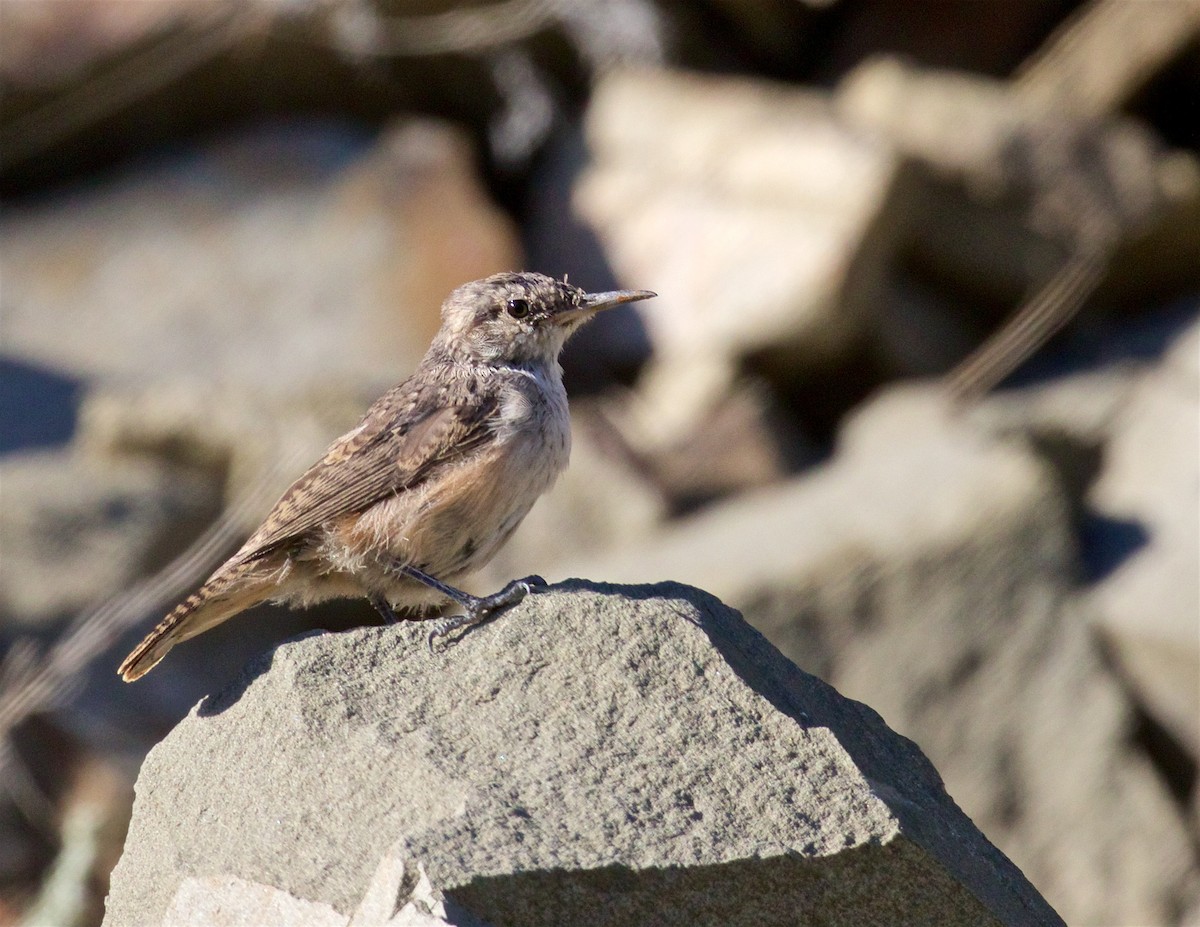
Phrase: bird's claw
{"type": "Point", "coordinates": [481, 610]}
{"type": "Point", "coordinates": [448, 626]}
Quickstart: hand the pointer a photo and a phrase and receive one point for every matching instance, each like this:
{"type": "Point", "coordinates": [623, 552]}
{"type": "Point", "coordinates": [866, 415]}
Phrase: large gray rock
{"type": "Point", "coordinates": [78, 528]}
{"type": "Point", "coordinates": [929, 571]}
{"type": "Point", "coordinates": [271, 261]}
{"type": "Point", "coordinates": [599, 755]}
{"type": "Point", "coordinates": [1123, 437]}
{"type": "Point", "coordinates": [1149, 607]}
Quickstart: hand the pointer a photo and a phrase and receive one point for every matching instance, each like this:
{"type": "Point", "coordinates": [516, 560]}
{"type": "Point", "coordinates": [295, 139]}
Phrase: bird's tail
{"type": "Point", "coordinates": [219, 599]}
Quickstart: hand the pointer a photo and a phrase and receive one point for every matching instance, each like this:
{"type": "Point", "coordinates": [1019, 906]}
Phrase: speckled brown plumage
{"type": "Point", "coordinates": [436, 476]}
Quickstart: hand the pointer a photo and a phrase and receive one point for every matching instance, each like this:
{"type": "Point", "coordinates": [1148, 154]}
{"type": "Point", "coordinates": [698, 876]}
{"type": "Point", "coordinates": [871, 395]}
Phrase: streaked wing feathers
{"type": "Point", "coordinates": [402, 440]}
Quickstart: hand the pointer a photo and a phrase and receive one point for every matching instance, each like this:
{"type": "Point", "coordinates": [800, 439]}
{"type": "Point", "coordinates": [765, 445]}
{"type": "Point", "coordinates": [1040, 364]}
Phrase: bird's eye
{"type": "Point", "coordinates": [518, 308]}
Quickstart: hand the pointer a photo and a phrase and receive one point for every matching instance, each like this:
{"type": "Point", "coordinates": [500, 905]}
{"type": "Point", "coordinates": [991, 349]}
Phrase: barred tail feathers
{"type": "Point", "coordinates": [219, 599]}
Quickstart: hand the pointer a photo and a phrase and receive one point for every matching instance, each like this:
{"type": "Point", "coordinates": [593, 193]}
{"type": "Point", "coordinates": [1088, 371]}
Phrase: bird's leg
{"type": "Point", "coordinates": [476, 610]}
{"type": "Point", "coordinates": [486, 608]}
{"type": "Point", "coordinates": [384, 607]}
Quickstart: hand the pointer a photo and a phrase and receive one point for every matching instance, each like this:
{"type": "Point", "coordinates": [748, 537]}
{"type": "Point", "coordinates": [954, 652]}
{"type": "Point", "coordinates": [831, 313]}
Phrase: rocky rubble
{"type": "Point", "coordinates": [599, 755]}
{"type": "Point", "coordinates": [332, 242]}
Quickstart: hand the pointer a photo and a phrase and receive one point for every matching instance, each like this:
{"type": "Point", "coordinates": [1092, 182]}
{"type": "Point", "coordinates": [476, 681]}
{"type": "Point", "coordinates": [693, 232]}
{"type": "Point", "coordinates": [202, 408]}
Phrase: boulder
{"type": "Point", "coordinates": [597, 755]}
{"type": "Point", "coordinates": [929, 570]}
{"type": "Point", "coordinates": [1148, 607]}
{"type": "Point", "coordinates": [79, 527]}
{"type": "Point", "coordinates": [1016, 185]}
{"type": "Point", "coordinates": [761, 220]}
{"type": "Point", "coordinates": [269, 261]}
{"type": "Point", "coordinates": [1121, 435]}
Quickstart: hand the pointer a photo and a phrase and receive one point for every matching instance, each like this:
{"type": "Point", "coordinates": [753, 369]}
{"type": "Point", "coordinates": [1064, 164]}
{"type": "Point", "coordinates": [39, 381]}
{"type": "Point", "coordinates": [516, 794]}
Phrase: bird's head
{"type": "Point", "coordinates": [519, 318]}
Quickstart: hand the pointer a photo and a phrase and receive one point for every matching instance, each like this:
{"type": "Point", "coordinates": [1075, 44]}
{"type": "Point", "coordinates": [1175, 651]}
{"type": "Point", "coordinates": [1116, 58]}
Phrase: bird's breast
{"type": "Point", "coordinates": [456, 522]}
{"type": "Point", "coordinates": [534, 418]}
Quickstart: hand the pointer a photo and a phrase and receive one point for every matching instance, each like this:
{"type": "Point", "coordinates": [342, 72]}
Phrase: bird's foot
{"type": "Point", "coordinates": [478, 610]}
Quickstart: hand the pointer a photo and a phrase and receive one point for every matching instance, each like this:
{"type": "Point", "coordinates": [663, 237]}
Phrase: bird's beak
{"type": "Point", "coordinates": [591, 303]}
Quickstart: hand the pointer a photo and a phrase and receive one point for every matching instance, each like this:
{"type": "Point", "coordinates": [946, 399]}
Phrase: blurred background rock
{"type": "Point", "coordinates": [227, 226]}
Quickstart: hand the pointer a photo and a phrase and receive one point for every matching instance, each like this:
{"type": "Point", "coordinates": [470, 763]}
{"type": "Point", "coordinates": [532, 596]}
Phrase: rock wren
{"type": "Point", "coordinates": [432, 481]}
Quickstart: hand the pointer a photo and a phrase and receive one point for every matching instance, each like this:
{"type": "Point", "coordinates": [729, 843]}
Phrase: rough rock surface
{"type": "Point", "coordinates": [398, 896]}
{"type": "Point", "coordinates": [928, 571]}
{"type": "Point", "coordinates": [599, 755]}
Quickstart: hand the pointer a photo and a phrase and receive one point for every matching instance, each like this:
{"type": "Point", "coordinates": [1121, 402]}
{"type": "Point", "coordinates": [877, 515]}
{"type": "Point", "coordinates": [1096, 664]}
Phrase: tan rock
{"type": "Point", "coordinates": [754, 213]}
{"type": "Point", "coordinates": [1105, 53]}
{"type": "Point", "coordinates": [1149, 608]}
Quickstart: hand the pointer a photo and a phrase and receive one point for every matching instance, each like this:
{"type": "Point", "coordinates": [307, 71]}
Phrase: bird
{"type": "Point", "coordinates": [432, 481]}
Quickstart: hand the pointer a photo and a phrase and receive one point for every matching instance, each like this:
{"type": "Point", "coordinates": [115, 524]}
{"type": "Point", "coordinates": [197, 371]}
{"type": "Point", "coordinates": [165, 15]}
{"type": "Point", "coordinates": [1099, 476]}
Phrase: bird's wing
{"type": "Point", "coordinates": [403, 439]}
